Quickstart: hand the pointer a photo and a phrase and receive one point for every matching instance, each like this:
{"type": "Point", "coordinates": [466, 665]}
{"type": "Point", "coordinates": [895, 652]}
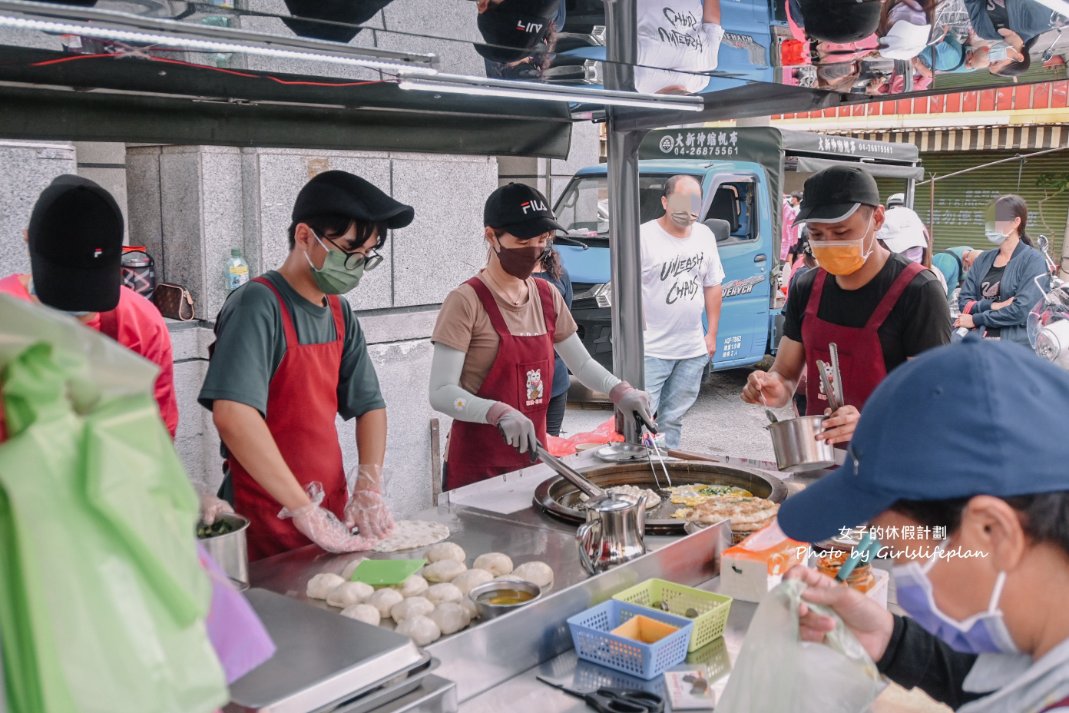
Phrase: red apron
{"type": "Point", "coordinates": [860, 351]}
{"type": "Point", "coordinates": [302, 403]}
{"type": "Point", "coordinates": [522, 377]}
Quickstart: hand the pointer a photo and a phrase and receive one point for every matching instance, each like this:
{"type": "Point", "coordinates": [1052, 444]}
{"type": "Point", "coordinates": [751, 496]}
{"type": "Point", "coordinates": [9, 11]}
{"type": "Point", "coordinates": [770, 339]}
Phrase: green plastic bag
{"type": "Point", "coordinates": [777, 672]}
{"type": "Point", "coordinates": [102, 596]}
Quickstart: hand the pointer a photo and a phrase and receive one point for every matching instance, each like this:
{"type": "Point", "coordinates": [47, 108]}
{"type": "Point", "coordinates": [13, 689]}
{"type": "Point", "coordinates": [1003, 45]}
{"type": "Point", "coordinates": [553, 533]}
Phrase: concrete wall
{"type": "Point", "coordinates": [28, 169]}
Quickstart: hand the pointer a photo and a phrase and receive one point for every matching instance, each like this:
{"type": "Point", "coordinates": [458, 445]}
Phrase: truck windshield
{"type": "Point", "coordinates": [583, 209]}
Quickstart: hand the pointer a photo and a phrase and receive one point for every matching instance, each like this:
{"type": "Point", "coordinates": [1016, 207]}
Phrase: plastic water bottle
{"type": "Point", "coordinates": [237, 270]}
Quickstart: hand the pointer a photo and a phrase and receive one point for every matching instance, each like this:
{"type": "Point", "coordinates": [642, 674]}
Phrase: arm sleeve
{"type": "Point", "coordinates": [590, 373]}
{"type": "Point", "coordinates": [928, 325]}
{"type": "Point", "coordinates": [970, 287]}
{"type": "Point", "coordinates": [358, 383]}
{"type": "Point", "coordinates": [446, 394]}
{"type": "Point", "coordinates": [916, 659]}
{"type": "Point", "coordinates": [715, 274]}
{"type": "Point", "coordinates": [714, 35]}
{"type": "Point", "coordinates": [797, 296]}
{"type": "Point", "coordinates": [1026, 297]}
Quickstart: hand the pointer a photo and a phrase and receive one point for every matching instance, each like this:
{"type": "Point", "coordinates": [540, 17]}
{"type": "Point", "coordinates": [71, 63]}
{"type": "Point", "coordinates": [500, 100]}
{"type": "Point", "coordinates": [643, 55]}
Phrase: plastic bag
{"type": "Point", "coordinates": [605, 433]}
{"type": "Point", "coordinates": [777, 672]}
{"type": "Point", "coordinates": [102, 594]}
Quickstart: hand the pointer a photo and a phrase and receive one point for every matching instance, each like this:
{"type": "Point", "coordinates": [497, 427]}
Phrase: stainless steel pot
{"type": "Point", "coordinates": [796, 445]}
{"type": "Point", "coordinates": [482, 595]}
{"type": "Point", "coordinates": [230, 551]}
{"type": "Point", "coordinates": [614, 532]}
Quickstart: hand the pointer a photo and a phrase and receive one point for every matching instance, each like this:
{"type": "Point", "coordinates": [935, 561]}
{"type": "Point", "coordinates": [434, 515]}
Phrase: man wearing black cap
{"type": "Point", "coordinates": [879, 308]}
{"type": "Point", "coordinates": [75, 242]}
{"type": "Point", "coordinates": [518, 35]}
{"type": "Point", "coordinates": [289, 357]}
{"type": "Point", "coordinates": [494, 346]}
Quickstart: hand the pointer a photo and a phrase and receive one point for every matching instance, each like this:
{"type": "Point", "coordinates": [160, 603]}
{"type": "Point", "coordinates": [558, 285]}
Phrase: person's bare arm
{"type": "Point", "coordinates": [714, 300]}
{"type": "Point", "coordinates": [371, 437]}
{"type": "Point", "coordinates": [248, 439]}
{"type": "Point", "coordinates": [711, 11]}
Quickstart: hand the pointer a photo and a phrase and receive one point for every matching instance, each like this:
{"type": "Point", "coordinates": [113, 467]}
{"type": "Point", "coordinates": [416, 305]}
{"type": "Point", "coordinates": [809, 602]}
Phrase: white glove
{"type": "Point", "coordinates": [322, 527]}
{"type": "Point", "coordinates": [212, 507]}
{"type": "Point", "coordinates": [366, 508]}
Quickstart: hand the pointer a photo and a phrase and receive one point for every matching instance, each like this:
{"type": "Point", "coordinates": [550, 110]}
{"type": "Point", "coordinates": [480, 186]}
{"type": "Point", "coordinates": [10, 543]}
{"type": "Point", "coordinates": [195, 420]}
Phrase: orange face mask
{"type": "Point", "coordinates": [841, 257]}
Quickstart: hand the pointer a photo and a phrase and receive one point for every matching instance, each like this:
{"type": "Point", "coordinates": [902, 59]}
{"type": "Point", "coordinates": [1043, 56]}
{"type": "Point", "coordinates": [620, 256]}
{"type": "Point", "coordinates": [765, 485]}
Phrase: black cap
{"type": "Point", "coordinates": [342, 193]}
{"type": "Point", "coordinates": [518, 27]}
{"type": "Point", "coordinates": [521, 210]}
{"type": "Point", "coordinates": [75, 242]}
{"type": "Point", "coordinates": [341, 17]}
{"type": "Point", "coordinates": [839, 20]}
{"type": "Point", "coordinates": [833, 194]}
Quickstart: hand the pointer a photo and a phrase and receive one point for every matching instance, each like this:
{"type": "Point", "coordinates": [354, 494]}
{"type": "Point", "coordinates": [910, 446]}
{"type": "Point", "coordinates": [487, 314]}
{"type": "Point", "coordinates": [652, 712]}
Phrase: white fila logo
{"type": "Point", "coordinates": [528, 26]}
{"type": "Point", "coordinates": [533, 204]}
{"type": "Point", "coordinates": [97, 253]}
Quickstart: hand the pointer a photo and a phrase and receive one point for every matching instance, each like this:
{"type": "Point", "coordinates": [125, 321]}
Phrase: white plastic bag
{"type": "Point", "coordinates": [777, 672]}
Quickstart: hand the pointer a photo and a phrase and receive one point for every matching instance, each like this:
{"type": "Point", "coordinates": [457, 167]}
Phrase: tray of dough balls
{"type": "Point", "coordinates": [452, 590]}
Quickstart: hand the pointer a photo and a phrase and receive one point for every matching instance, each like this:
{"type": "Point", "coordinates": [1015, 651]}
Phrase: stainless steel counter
{"type": "Point", "coordinates": [494, 664]}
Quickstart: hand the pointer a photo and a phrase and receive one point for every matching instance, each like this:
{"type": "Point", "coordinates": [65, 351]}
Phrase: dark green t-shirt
{"type": "Point", "coordinates": [250, 343]}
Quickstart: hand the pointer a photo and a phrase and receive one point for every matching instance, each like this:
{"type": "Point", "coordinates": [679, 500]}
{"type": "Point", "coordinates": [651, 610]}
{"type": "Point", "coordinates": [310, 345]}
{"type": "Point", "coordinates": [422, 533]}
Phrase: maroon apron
{"type": "Point", "coordinates": [302, 403]}
{"type": "Point", "coordinates": [860, 351]}
{"type": "Point", "coordinates": [522, 377]}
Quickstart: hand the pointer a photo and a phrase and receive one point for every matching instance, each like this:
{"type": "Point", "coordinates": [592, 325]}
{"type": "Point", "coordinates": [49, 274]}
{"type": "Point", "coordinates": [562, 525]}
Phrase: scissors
{"type": "Point", "coordinates": [615, 700]}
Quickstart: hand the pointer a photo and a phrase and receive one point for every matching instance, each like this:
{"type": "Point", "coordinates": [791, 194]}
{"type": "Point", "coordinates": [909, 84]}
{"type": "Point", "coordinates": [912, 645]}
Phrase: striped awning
{"type": "Point", "coordinates": [982, 138]}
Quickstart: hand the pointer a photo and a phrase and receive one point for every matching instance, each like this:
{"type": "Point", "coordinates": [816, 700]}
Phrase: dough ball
{"type": "Point", "coordinates": [446, 551]}
{"type": "Point", "coordinates": [320, 585]}
{"type": "Point", "coordinates": [443, 571]}
{"type": "Point", "coordinates": [450, 617]}
{"type": "Point", "coordinates": [444, 592]}
{"type": "Point", "coordinates": [349, 593]}
{"type": "Point", "coordinates": [467, 581]}
{"type": "Point", "coordinates": [363, 612]}
{"type": "Point", "coordinates": [413, 586]}
{"type": "Point", "coordinates": [538, 573]}
{"type": "Point", "coordinates": [496, 563]}
{"type": "Point", "coordinates": [347, 573]}
{"type": "Point", "coordinates": [414, 606]}
{"type": "Point", "coordinates": [420, 629]}
{"type": "Point", "coordinates": [469, 607]}
{"type": "Point", "coordinates": [384, 600]}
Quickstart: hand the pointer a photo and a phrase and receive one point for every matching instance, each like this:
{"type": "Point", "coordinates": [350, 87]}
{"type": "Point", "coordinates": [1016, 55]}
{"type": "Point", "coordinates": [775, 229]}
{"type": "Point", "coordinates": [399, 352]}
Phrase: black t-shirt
{"type": "Point", "coordinates": [991, 288]}
{"type": "Point", "coordinates": [919, 320]}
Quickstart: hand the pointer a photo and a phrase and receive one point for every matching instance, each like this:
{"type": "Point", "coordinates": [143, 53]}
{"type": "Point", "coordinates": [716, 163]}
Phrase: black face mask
{"type": "Point", "coordinates": [519, 262]}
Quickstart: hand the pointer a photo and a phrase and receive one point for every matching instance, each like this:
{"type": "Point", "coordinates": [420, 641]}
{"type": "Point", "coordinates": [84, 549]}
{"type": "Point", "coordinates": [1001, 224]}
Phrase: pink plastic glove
{"type": "Point", "coordinates": [212, 507]}
{"type": "Point", "coordinates": [322, 527]}
{"type": "Point", "coordinates": [366, 508]}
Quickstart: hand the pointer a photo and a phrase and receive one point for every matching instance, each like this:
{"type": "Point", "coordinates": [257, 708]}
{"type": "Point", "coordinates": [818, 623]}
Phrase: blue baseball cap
{"type": "Point", "coordinates": [981, 417]}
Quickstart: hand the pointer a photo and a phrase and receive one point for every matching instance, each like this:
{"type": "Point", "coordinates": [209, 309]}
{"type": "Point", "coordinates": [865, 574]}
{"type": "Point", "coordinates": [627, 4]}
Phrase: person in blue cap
{"type": "Point", "coordinates": [975, 518]}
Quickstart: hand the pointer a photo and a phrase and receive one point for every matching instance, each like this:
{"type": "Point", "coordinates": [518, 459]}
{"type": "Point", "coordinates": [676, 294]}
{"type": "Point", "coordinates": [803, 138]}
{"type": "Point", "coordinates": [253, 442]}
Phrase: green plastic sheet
{"type": "Point", "coordinates": [102, 596]}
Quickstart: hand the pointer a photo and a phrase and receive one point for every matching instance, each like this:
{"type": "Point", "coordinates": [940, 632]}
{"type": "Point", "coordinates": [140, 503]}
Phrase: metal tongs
{"type": "Point", "coordinates": [650, 443]}
{"type": "Point", "coordinates": [568, 473]}
{"type": "Point", "coordinates": [831, 379]}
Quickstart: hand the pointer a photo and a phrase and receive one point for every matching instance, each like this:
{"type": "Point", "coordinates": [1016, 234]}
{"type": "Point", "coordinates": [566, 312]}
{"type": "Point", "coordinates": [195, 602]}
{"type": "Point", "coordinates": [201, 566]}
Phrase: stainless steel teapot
{"type": "Point", "coordinates": [614, 532]}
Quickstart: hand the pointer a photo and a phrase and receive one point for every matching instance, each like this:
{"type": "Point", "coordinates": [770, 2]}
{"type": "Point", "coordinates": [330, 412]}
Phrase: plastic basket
{"type": "Point", "coordinates": [713, 609]}
{"type": "Point", "coordinates": [593, 641]}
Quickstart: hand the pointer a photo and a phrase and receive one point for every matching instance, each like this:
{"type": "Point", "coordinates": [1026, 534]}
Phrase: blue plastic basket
{"type": "Point", "coordinates": [593, 641]}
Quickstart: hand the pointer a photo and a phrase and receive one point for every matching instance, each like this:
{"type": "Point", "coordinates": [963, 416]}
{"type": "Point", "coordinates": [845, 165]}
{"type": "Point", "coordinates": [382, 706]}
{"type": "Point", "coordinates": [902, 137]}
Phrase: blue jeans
{"type": "Point", "coordinates": [673, 386]}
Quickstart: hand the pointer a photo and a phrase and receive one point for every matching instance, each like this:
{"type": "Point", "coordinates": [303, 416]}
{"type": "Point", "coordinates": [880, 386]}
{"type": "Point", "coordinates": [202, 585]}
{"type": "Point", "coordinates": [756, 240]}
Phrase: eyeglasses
{"type": "Point", "coordinates": [370, 259]}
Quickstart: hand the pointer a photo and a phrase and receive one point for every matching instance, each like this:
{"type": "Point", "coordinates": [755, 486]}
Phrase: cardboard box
{"type": "Point", "coordinates": [757, 564]}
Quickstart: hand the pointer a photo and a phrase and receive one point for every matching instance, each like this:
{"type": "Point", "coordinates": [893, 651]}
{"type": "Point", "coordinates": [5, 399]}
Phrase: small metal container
{"type": "Point", "coordinates": [500, 586]}
{"type": "Point", "coordinates": [230, 551]}
{"type": "Point", "coordinates": [796, 445]}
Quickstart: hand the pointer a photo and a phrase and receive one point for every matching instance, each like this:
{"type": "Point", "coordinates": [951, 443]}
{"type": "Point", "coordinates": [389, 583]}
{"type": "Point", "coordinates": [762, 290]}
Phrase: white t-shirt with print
{"type": "Point", "coordinates": [671, 35]}
{"type": "Point", "coordinates": [675, 273]}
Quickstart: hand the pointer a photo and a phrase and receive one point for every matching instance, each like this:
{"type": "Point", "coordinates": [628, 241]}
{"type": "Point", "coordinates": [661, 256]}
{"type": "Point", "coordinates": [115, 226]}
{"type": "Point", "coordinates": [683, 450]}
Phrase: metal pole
{"type": "Point", "coordinates": [622, 169]}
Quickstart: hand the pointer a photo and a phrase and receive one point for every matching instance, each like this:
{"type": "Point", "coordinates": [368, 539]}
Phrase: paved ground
{"type": "Point", "coordinates": [719, 422]}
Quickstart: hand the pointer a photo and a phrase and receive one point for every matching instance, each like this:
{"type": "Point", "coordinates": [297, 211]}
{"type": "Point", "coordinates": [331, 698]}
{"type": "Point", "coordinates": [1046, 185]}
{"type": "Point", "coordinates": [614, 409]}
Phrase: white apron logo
{"type": "Point", "coordinates": [536, 388]}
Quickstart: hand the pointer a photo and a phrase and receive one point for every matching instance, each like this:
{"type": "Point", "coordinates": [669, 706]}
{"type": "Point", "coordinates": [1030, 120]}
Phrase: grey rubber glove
{"type": "Point", "coordinates": [366, 508]}
{"type": "Point", "coordinates": [322, 527]}
{"type": "Point", "coordinates": [517, 429]}
{"type": "Point", "coordinates": [632, 402]}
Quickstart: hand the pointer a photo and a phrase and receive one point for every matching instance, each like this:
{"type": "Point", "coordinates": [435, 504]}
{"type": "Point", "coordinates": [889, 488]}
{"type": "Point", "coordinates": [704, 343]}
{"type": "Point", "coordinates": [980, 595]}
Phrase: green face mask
{"type": "Point", "coordinates": [334, 278]}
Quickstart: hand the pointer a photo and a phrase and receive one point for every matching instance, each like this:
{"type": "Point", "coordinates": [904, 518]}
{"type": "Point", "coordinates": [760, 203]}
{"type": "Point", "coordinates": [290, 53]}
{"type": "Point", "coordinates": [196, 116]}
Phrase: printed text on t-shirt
{"type": "Point", "coordinates": [689, 287]}
{"type": "Point", "coordinates": [682, 32]}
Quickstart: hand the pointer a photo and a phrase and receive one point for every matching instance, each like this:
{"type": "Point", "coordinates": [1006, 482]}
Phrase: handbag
{"type": "Point", "coordinates": [174, 302]}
